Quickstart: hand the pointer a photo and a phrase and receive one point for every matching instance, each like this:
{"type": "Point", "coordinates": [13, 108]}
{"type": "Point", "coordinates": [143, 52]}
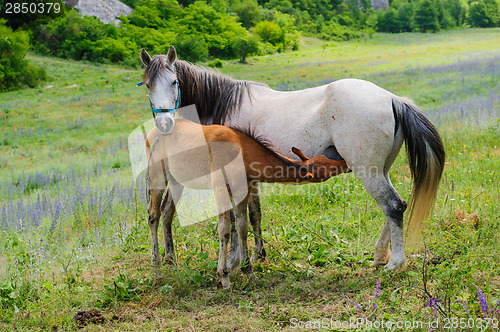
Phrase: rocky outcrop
{"type": "Point", "coordinates": [380, 4]}
{"type": "Point", "coordinates": [105, 10]}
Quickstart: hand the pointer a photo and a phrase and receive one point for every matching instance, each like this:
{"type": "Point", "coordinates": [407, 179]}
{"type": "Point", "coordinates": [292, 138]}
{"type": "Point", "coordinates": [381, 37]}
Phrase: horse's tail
{"type": "Point", "coordinates": [426, 157]}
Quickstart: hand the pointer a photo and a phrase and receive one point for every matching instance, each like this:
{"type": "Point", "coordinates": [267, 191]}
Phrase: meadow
{"type": "Point", "coordinates": [73, 224]}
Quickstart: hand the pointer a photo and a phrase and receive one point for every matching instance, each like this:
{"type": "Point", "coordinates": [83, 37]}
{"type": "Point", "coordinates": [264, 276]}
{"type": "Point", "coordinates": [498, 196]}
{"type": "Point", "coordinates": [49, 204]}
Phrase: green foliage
{"type": "Point", "coordinates": [426, 16]}
{"type": "Point", "coordinates": [249, 13]}
{"type": "Point", "coordinates": [270, 32]}
{"type": "Point", "coordinates": [191, 48]}
{"type": "Point", "coordinates": [388, 21]}
{"type": "Point", "coordinates": [245, 46]}
{"type": "Point", "coordinates": [216, 63]}
{"type": "Point", "coordinates": [484, 14]}
{"type": "Point", "coordinates": [218, 30]}
{"type": "Point", "coordinates": [334, 31]}
{"type": "Point", "coordinates": [15, 69]}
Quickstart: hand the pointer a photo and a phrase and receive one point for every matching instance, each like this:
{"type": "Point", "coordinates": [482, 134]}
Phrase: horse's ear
{"type": "Point", "coordinates": [145, 57]}
{"type": "Point", "coordinates": [300, 154]}
{"type": "Point", "coordinates": [172, 54]}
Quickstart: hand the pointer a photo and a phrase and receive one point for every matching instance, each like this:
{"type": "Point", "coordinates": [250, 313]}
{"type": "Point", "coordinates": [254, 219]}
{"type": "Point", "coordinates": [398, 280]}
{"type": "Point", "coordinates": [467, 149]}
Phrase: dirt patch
{"type": "Point", "coordinates": [94, 316]}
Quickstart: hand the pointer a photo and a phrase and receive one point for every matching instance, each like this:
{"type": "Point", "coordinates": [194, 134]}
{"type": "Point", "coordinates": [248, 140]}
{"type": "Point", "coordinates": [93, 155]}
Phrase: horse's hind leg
{"type": "Point", "coordinates": [153, 221]}
{"type": "Point", "coordinates": [255, 215]}
{"type": "Point", "coordinates": [393, 206]}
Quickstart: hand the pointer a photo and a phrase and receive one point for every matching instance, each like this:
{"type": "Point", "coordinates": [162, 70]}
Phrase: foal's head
{"type": "Point", "coordinates": [321, 167]}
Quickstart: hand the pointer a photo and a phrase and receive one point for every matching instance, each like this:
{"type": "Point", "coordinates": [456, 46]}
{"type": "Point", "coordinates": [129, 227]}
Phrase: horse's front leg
{"type": "Point", "coordinates": [153, 221]}
{"type": "Point", "coordinates": [255, 215]}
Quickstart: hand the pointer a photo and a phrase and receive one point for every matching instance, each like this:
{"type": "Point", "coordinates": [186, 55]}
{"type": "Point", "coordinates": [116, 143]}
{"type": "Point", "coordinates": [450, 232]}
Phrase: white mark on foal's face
{"type": "Point", "coordinates": [163, 91]}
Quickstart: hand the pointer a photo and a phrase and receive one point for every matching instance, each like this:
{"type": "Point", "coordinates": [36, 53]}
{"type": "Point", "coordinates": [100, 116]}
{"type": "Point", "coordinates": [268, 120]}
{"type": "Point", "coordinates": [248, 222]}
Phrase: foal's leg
{"type": "Point", "coordinates": [224, 228]}
{"type": "Point", "coordinates": [167, 216]}
{"type": "Point", "coordinates": [255, 219]}
{"type": "Point", "coordinates": [223, 202]}
{"type": "Point", "coordinates": [174, 193]}
{"type": "Point", "coordinates": [234, 252]}
{"type": "Point", "coordinates": [240, 211]}
{"type": "Point", "coordinates": [382, 251]}
{"type": "Point", "coordinates": [153, 221]}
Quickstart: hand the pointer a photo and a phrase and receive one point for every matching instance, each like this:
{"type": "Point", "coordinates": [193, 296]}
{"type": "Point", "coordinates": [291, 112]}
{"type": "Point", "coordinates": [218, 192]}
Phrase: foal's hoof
{"type": "Point", "coordinates": [381, 260]}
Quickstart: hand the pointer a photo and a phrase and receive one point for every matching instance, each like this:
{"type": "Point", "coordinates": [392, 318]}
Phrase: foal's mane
{"type": "Point", "coordinates": [267, 145]}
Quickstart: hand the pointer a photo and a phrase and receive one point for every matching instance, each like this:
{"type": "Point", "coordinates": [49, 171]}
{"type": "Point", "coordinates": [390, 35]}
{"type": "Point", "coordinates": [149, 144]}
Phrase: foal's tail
{"type": "Point", "coordinates": [426, 156]}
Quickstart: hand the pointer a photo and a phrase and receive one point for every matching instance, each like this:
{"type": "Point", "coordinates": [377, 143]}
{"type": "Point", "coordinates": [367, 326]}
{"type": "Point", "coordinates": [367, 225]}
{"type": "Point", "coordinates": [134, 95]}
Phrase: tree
{"type": "Point", "coordinates": [245, 46]}
{"type": "Point", "coordinates": [388, 21]}
{"type": "Point", "coordinates": [484, 14]}
{"type": "Point", "coordinates": [426, 16]}
{"type": "Point", "coordinates": [405, 16]}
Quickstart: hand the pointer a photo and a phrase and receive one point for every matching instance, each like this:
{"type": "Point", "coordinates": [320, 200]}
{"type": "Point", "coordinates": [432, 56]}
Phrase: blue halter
{"type": "Point", "coordinates": [166, 110]}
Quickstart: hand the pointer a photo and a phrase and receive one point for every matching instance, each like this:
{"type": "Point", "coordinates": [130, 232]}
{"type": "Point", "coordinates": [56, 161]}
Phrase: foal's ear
{"type": "Point", "coordinates": [300, 154]}
{"type": "Point", "coordinates": [145, 57]}
{"type": "Point", "coordinates": [172, 54]}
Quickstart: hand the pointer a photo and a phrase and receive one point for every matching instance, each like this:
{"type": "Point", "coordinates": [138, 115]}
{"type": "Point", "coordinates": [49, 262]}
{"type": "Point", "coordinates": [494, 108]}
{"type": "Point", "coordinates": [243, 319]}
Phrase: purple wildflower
{"type": "Point", "coordinates": [434, 305]}
{"type": "Point", "coordinates": [377, 293]}
{"type": "Point", "coordinates": [358, 306]}
{"type": "Point", "coordinates": [464, 305]}
{"type": "Point", "coordinates": [482, 299]}
{"type": "Point", "coordinates": [497, 307]}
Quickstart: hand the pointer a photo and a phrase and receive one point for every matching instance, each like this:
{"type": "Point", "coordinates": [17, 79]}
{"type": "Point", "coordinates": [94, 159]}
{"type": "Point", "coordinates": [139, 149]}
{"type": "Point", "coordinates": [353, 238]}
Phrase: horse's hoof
{"type": "Point", "coordinates": [260, 257]}
{"type": "Point", "coordinates": [226, 284]}
{"type": "Point", "coordinates": [169, 260]}
{"type": "Point", "coordinates": [395, 265]}
{"type": "Point", "coordinates": [233, 265]}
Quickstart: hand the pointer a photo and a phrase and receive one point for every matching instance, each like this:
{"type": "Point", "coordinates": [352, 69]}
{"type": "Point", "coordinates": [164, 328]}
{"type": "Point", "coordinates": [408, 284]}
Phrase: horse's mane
{"type": "Point", "coordinates": [153, 68]}
{"type": "Point", "coordinates": [267, 145]}
{"type": "Point", "coordinates": [216, 96]}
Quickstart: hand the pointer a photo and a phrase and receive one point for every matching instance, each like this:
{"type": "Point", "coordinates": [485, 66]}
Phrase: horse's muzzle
{"type": "Point", "coordinates": [165, 123]}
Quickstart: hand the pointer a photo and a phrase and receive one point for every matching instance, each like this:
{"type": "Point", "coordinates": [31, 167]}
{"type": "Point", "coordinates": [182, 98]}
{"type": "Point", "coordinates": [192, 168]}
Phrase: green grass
{"type": "Point", "coordinates": [319, 238]}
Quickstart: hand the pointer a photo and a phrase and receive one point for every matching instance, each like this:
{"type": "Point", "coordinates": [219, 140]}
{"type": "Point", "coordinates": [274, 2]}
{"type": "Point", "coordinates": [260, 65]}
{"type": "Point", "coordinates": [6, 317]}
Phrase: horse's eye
{"type": "Point", "coordinates": [174, 83]}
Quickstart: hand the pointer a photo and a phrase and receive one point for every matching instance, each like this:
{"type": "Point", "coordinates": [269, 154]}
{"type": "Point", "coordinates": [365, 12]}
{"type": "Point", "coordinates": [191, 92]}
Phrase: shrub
{"type": "Point", "coordinates": [15, 69]}
{"type": "Point", "coordinates": [269, 32]}
{"type": "Point", "coordinates": [334, 31]}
